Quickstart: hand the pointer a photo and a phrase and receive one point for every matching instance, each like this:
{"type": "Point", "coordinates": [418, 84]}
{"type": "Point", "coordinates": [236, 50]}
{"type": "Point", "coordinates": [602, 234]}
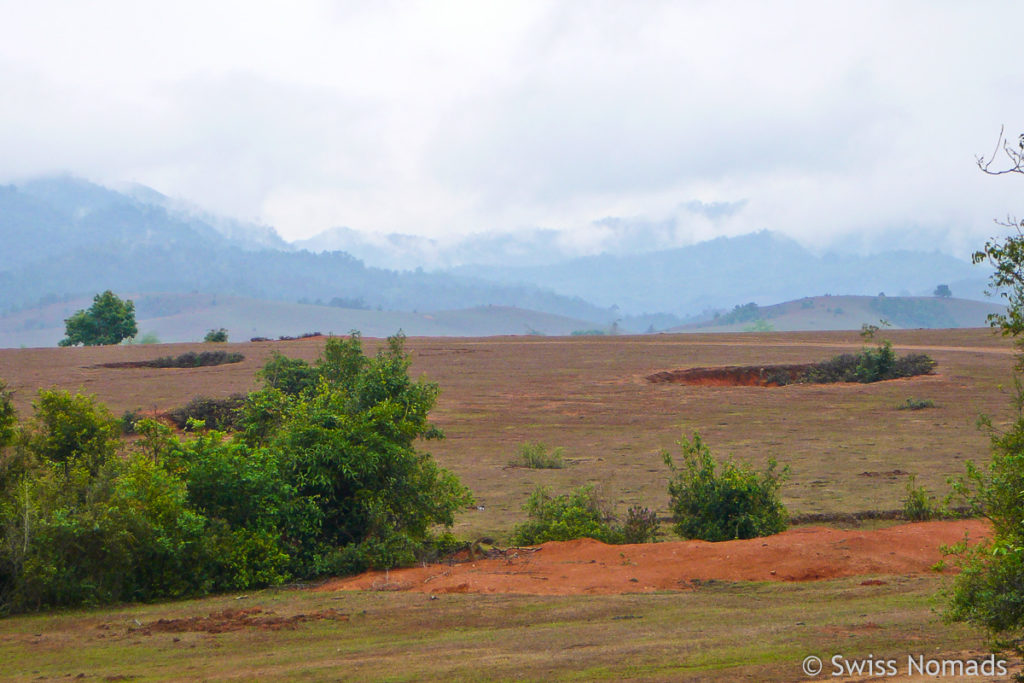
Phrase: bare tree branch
{"type": "Point", "coordinates": [1014, 155]}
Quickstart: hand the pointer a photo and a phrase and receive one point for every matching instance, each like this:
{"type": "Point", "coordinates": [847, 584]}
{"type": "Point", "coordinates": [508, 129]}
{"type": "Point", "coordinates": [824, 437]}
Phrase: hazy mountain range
{"type": "Point", "coordinates": [66, 238]}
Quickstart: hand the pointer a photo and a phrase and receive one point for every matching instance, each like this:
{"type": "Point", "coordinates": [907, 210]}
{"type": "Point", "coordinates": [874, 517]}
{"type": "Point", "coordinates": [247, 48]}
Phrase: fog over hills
{"type": "Point", "coordinates": [66, 238]}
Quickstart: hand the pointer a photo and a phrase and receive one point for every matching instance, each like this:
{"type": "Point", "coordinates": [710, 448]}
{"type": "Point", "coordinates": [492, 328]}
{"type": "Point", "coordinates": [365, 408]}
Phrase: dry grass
{"type": "Point", "coordinates": [588, 395]}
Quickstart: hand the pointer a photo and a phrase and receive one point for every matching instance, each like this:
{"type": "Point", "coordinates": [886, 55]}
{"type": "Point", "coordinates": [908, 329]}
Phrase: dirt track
{"type": "Point", "coordinates": [586, 566]}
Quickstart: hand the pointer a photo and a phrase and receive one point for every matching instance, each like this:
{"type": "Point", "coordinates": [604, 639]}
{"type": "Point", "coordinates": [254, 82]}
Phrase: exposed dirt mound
{"type": "Point", "coordinates": [734, 375]}
{"type": "Point", "coordinates": [587, 566]}
{"type": "Point", "coordinates": [238, 619]}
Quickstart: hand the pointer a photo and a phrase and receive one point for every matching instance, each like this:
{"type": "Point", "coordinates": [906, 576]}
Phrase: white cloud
{"type": "Point", "coordinates": [828, 119]}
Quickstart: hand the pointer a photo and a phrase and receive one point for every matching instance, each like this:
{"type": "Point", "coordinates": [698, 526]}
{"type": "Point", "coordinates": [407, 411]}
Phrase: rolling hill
{"type": "Point", "coordinates": [849, 313]}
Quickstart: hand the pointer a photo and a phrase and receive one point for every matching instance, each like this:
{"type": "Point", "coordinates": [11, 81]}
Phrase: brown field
{"type": "Point", "coordinates": [589, 395]}
{"type": "Point", "coordinates": [848, 446]}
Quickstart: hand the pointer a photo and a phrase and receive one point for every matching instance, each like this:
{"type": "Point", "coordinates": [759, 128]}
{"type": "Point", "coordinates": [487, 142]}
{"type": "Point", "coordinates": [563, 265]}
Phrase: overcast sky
{"type": "Point", "coordinates": [829, 120]}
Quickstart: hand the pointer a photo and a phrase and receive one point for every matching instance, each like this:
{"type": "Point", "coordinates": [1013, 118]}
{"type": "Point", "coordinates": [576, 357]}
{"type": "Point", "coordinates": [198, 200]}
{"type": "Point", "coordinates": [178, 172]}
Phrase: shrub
{"type": "Point", "coordinates": [723, 504]}
{"type": "Point", "coordinates": [916, 404]}
{"type": "Point", "coordinates": [216, 413]}
{"type": "Point", "coordinates": [128, 421]}
{"type": "Point", "coordinates": [870, 365]}
{"type": "Point", "coordinates": [578, 514]}
{"type": "Point", "coordinates": [536, 456]}
{"type": "Point", "coordinates": [191, 359]}
{"type": "Point", "coordinates": [216, 336]}
{"type": "Point", "coordinates": [919, 505]}
{"type": "Point", "coordinates": [641, 526]}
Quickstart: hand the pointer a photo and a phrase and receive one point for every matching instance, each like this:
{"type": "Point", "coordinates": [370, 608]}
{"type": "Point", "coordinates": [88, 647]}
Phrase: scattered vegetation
{"type": "Point", "coordinates": [108, 321]}
{"type": "Point", "coordinates": [722, 502]}
{"type": "Point", "coordinates": [921, 506]}
{"type": "Point", "coordinates": [916, 404]}
{"type": "Point", "coordinates": [989, 590]}
{"type": "Point", "coordinates": [324, 480]}
{"type": "Point", "coordinates": [581, 513]}
{"type": "Point", "coordinates": [536, 456]}
{"type": "Point", "coordinates": [746, 313]}
{"type": "Point", "coordinates": [216, 336]}
{"type": "Point", "coordinates": [589, 333]}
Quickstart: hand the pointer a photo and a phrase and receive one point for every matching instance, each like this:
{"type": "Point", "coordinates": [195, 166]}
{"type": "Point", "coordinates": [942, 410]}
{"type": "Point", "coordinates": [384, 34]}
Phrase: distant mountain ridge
{"type": "Point", "coordinates": [67, 237]}
{"type": "Point", "coordinates": [763, 267]}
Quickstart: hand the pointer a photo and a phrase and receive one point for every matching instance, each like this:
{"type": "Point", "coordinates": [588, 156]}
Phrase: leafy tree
{"type": "Point", "coordinates": [989, 591]}
{"type": "Point", "coordinates": [943, 292]}
{"type": "Point", "coordinates": [108, 321]}
{"type": "Point", "coordinates": [72, 430]}
{"type": "Point", "coordinates": [8, 418]}
{"type": "Point", "coordinates": [327, 479]}
{"type": "Point", "coordinates": [723, 504]}
{"type": "Point", "coordinates": [218, 335]}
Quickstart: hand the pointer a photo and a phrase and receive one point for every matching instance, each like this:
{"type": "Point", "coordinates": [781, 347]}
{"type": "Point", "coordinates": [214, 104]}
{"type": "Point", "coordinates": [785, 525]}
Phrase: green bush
{"type": "Point", "coordinates": [919, 505]}
{"type": "Point", "coordinates": [216, 336]}
{"type": "Point", "coordinates": [582, 513]}
{"type": "Point", "coordinates": [732, 502]}
{"type": "Point", "coordinates": [641, 526]}
{"type": "Point", "coordinates": [579, 514]}
{"type": "Point", "coordinates": [537, 456]}
{"type": "Point", "coordinates": [870, 365]}
{"type": "Point", "coordinates": [916, 404]}
{"type": "Point", "coordinates": [191, 359]}
{"type": "Point", "coordinates": [328, 480]}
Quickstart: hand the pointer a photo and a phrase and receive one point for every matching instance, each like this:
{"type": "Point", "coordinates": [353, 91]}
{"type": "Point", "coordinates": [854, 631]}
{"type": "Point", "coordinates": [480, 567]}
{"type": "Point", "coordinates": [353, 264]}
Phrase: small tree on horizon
{"type": "Point", "coordinates": [108, 321]}
{"type": "Point", "coordinates": [943, 292]}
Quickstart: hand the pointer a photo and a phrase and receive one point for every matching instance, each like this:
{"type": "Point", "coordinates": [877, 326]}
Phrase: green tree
{"type": "Point", "coordinates": [989, 591]}
{"type": "Point", "coordinates": [108, 321]}
{"type": "Point", "coordinates": [943, 292]}
{"type": "Point", "coordinates": [8, 418]}
{"type": "Point", "coordinates": [218, 335]}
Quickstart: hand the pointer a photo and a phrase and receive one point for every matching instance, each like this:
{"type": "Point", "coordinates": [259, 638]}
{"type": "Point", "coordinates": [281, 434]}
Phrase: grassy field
{"type": "Point", "coordinates": [720, 631]}
{"type": "Point", "coordinates": [589, 396]}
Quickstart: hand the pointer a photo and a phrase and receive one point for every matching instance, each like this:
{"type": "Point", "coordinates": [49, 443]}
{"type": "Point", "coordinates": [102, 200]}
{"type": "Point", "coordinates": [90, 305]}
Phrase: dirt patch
{"type": "Point", "coordinates": [238, 619]}
{"type": "Point", "coordinates": [585, 566]}
{"type": "Point", "coordinates": [734, 375]}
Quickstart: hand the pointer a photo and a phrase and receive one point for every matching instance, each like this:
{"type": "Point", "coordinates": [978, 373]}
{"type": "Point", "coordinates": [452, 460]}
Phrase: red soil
{"type": "Point", "coordinates": [587, 566]}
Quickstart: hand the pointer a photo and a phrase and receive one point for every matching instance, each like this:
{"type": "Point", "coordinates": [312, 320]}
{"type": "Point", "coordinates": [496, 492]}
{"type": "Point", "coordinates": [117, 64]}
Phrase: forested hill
{"type": "Point", "coordinates": [65, 237]}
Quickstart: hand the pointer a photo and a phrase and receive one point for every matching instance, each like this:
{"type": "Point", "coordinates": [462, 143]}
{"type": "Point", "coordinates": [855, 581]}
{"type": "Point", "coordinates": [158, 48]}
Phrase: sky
{"type": "Point", "coordinates": [838, 123]}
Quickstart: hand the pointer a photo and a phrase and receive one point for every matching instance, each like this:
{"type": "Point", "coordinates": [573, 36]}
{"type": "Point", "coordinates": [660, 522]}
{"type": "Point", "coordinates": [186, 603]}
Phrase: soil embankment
{"type": "Point", "coordinates": [587, 566]}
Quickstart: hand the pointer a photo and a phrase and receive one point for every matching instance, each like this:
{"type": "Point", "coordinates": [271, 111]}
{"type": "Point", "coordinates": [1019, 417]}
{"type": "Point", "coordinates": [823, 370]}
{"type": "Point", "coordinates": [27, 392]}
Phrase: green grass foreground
{"type": "Point", "coordinates": [719, 631]}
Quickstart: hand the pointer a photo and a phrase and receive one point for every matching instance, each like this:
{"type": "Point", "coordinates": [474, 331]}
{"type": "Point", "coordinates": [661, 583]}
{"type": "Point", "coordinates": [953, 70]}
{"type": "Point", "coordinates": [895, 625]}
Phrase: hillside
{"type": "Point", "coordinates": [67, 238]}
{"type": "Point", "coordinates": [849, 313]}
{"type": "Point", "coordinates": [187, 317]}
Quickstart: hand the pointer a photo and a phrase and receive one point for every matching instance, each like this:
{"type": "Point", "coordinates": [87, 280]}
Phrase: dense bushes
{"type": "Point", "coordinates": [322, 479]}
{"type": "Point", "coordinates": [191, 359]}
{"type": "Point", "coordinates": [723, 504]}
{"type": "Point", "coordinates": [870, 365]}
